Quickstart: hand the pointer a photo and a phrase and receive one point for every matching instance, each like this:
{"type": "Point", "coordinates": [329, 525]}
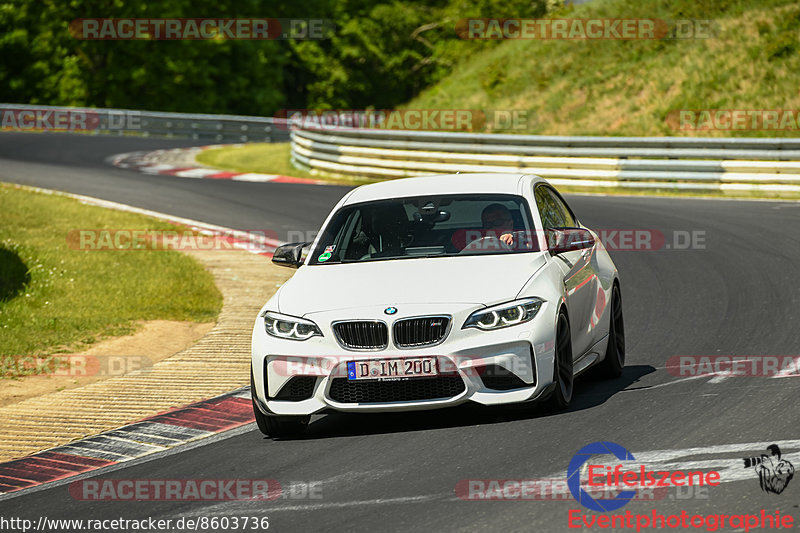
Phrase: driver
{"type": "Point", "coordinates": [497, 218]}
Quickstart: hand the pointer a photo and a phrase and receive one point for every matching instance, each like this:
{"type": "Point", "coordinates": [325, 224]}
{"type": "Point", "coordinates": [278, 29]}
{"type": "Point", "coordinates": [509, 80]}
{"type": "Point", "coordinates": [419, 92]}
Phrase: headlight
{"type": "Point", "coordinates": [289, 327]}
{"type": "Point", "coordinates": [504, 315]}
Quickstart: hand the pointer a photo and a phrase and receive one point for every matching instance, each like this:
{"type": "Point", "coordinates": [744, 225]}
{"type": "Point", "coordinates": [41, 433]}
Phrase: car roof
{"type": "Point", "coordinates": [490, 183]}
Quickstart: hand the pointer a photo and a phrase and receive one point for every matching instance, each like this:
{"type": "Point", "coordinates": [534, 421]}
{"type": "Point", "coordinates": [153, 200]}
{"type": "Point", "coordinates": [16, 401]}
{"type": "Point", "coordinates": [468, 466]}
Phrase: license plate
{"type": "Point", "coordinates": [412, 367]}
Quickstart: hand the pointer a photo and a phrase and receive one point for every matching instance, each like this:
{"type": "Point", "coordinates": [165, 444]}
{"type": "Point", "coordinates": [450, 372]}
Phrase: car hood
{"type": "Point", "coordinates": [476, 280]}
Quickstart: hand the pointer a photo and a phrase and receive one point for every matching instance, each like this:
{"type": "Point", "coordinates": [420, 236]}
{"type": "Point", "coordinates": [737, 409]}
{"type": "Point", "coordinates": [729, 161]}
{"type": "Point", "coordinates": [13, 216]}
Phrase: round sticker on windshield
{"type": "Point", "coordinates": [324, 257]}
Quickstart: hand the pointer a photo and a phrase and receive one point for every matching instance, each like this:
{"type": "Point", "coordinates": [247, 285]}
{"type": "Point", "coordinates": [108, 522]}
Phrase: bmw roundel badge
{"type": "Point", "coordinates": [390, 310]}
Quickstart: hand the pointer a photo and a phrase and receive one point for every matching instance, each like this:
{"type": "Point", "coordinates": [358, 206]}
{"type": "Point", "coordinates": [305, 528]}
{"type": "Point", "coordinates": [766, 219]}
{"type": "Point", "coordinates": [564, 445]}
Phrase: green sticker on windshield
{"type": "Point", "coordinates": [324, 257]}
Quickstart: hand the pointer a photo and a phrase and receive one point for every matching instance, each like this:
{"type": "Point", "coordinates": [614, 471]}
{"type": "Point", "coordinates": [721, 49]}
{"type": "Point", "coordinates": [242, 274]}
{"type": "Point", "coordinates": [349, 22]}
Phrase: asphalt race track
{"type": "Point", "coordinates": [736, 295]}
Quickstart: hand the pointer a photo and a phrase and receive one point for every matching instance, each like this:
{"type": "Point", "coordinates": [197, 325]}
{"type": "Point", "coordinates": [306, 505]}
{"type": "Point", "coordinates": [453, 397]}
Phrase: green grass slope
{"type": "Point", "coordinates": [615, 87]}
{"type": "Point", "coordinates": [56, 296]}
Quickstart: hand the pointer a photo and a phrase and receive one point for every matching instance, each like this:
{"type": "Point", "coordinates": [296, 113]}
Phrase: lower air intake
{"type": "Point", "coordinates": [344, 390]}
{"type": "Point", "coordinates": [298, 388]}
{"type": "Point", "coordinates": [496, 377]}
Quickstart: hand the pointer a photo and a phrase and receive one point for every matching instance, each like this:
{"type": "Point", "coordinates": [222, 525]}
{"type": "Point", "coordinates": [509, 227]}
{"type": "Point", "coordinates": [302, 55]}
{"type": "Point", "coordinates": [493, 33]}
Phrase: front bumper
{"type": "Point", "coordinates": [469, 361]}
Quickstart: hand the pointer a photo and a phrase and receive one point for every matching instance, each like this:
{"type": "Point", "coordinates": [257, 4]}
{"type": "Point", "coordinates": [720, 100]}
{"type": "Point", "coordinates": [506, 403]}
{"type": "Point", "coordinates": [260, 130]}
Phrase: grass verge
{"type": "Point", "coordinates": [267, 158]}
{"type": "Point", "coordinates": [69, 298]}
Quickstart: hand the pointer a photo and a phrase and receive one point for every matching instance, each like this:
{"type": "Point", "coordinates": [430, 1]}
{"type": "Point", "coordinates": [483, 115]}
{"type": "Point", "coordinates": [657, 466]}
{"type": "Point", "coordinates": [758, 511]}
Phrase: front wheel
{"type": "Point", "coordinates": [276, 426]}
{"type": "Point", "coordinates": [563, 369]}
{"type": "Point", "coordinates": [612, 365]}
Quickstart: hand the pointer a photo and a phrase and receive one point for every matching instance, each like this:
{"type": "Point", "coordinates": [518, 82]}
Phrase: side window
{"type": "Point", "coordinates": [568, 221]}
{"type": "Point", "coordinates": [552, 216]}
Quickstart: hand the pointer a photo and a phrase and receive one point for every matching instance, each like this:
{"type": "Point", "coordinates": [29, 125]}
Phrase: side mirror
{"type": "Point", "coordinates": [289, 255]}
{"type": "Point", "coordinates": [569, 239]}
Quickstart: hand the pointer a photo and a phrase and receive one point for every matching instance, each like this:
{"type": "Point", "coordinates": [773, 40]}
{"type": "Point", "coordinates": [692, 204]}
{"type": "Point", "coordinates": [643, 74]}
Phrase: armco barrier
{"type": "Point", "coordinates": [233, 128]}
{"type": "Point", "coordinates": [688, 163]}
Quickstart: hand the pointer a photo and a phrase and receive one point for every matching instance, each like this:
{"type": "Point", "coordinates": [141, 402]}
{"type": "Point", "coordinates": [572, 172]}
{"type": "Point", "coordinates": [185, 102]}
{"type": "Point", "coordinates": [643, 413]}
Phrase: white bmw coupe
{"type": "Point", "coordinates": [429, 292]}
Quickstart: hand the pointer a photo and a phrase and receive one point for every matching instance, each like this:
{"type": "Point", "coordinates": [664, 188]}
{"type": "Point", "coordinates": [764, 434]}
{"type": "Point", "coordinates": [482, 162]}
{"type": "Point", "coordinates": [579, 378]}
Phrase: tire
{"type": "Point", "coordinates": [278, 427]}
{"type": "Point", "coordinates": [612, 365]}
{"type": "Point", "coordinates": [562, 368]}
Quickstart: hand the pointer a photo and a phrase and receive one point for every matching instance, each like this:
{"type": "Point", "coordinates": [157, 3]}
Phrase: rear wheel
{"type": "Point", "coordinates": [612, 365]}
{"type": "Point", "coordinates": [276, 426]}
{"type": "Point", "coordinates": [563, 369]}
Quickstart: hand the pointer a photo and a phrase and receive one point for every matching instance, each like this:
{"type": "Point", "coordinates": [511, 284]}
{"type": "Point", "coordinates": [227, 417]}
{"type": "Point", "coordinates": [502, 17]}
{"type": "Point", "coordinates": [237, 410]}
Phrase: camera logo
{"type": "Point", "coordinates": [773, 472]}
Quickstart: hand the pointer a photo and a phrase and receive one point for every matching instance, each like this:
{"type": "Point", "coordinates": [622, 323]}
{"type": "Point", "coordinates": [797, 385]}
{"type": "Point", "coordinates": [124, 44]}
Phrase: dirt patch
{"type": "Point", "coordinates": [154, 341]}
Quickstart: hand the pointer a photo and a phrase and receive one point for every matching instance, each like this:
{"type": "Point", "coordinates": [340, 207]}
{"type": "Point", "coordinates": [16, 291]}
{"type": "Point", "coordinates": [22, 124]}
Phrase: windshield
{"type": "Point", "coordinates": [427, 226]}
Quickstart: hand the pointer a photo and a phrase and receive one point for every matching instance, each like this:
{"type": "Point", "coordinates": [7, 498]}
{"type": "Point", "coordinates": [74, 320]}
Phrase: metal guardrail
{"type": "Point", "coordinates": [632, 162]}
{"type": "Point", "coordinates": [218, 128]}
{"type": "Point", "coordinates": [649, 162]}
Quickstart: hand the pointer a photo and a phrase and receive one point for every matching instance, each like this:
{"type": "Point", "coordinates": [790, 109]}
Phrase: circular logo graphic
{"type": "Point", "coordinates": [324, 257]}
{"type": "Point", "coordinates": [574, 476]}
{"type": "Point", "coordinates": [390, 310]}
